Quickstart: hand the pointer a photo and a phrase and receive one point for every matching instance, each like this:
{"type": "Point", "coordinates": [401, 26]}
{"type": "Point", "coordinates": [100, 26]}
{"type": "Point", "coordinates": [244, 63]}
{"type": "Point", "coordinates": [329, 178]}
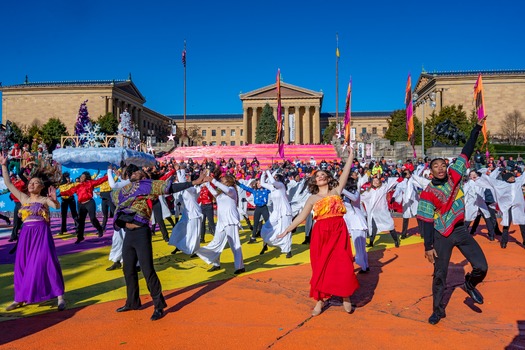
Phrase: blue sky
{"type": "Point", "coordinates": [237, 46]}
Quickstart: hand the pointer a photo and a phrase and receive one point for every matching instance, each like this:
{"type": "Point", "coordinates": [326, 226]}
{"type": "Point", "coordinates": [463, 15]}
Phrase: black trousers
{"type": "Point", "coordinates": [493, 218]}
{"type": "Point", "coordinates": [137, 247]}
{"type": "Point", "coordinates": [83, 210]}
{"type": "Point", "coordinates": [157, 213]}
{"type": "Point", "coordinates": [17, 221]}
{"type": "Point", "coordinates": [505, 235]}
{"type": "Point", "coordinates": [108, 208]}
{"type": "Point", "coordinates": [259, 211]}
{"type": "Point", "coordinates": [207, 214]}
{"type": "Point", "coordinates": [470, 249]}
{"type": "Point", "coordinates": [488, 222]}
{"type": "Point", "coordinates": [71, 204]}
{"type": "Point", "coordinates": [393, 233]}
{"type": "Point", "coordinates": [405, 227]}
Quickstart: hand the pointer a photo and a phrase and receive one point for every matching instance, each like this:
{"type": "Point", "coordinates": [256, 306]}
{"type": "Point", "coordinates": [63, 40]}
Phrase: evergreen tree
{"type": "Point", "coordinates": [266, 131]}
{"type": "Point", "coordinates": [52, 131]}
{"type": "Point", "coordinates": [83, 119]}
{"type": "Point", "coordinates": [329, 132]}
{"type": "Point", "coordinates": [108, 124]}
{"type": "Point", "coordinates": [397, 127]}
{"type": "Point", "coordinates": [18, 134]}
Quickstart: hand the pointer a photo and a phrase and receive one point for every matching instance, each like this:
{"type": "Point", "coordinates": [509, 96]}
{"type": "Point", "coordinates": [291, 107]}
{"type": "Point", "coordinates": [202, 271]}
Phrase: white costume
{"type": "Point", "coordinates": [357, 227]}
{"type": "Point", "coordinates": [376, 206]}
{"type": "Point", "coordinates": [115, 253]}
{"type": "Point", "coordinates": [280, 215]}
{"type": "Point", "coordinates": [227, 229]}
{"type": "Point", "coordinates": [474, 201]}
{"type": "Point", "coordinates": [297, 202]}
{"type": "Point", "coordinates": [186, 234]}
{"type": "Point", "coordinates": [509, 196]}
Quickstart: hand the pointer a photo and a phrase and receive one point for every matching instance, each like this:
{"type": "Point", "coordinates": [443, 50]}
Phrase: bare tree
{"type": "Point", "coordinates": [513, 127]}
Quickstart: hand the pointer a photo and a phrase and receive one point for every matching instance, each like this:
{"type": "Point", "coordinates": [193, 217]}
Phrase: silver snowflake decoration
{"type": "Point", "coordinates": [92, 137]}
{"type": "Point", "coordinates": [2, 204]}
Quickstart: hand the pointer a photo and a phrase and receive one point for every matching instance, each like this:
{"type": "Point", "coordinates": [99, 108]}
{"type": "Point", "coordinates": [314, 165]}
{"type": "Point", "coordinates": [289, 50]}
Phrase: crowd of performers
{"type": "Point", "coordinates": [341, 205]}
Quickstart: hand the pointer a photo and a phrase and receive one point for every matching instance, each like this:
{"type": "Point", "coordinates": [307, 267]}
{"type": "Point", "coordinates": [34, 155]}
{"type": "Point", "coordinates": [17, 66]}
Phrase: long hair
{"type": "Point", "coordinates": [48, 179]}
{"type": "Point", "coordinates": [230, 182]}
{"type": "Point", "coordinates": [312, 182]}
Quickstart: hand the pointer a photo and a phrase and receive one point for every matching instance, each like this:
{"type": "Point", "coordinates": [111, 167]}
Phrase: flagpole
{"type": "Point", "coordinates": [185, 131]}
{"type": "Point", "coordinates": [337, 80]}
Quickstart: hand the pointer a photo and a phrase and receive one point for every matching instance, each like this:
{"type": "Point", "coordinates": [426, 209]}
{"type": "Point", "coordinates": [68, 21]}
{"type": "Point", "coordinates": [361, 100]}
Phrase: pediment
{"type": "Point", "coordinates": [287, 91]}
{"type": "Point", "coordinates": [131, 89]}
{"type": "Point", "coordinates": [423, 80]}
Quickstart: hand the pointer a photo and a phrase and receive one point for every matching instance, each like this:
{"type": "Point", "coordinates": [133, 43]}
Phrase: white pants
{"type": "Point", "coordinates": [271, 230]}
{"type": "Point", "coordinates": [359, 241]}
{"type": "Point", "coordinates": [186, 234]}
{"type": "Point", "coordinates": [115, 253]}
{"type": "Point", "coordinates": [211, 253]}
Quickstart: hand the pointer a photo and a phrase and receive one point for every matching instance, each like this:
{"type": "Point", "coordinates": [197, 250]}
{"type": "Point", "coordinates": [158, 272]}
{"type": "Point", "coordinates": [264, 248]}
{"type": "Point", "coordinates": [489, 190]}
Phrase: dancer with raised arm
{"type": "Point", "coordinates": [38, 276]}
{"type": "Point", "coordinates": [330, 247]}
{"type": "Point", "coordinates": [442, 212]}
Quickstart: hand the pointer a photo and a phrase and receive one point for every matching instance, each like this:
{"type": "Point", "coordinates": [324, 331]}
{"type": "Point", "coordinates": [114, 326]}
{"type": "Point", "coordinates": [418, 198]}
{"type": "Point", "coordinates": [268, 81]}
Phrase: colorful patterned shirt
{"type": "Point", "coordinates": [443, 204]}
{"type": "Point", "coordinates": [132, 199]}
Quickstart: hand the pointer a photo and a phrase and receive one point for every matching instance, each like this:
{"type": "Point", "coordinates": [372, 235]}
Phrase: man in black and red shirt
{"type": "Point", "coordinates": [86, 204]}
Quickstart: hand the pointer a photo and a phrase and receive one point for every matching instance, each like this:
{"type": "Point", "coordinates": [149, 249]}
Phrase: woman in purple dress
{"type": "Point", "coordinates": [38, 276]}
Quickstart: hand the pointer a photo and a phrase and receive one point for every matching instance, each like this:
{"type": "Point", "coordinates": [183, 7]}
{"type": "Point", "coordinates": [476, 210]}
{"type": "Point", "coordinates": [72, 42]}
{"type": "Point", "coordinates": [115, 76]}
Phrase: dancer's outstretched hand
{"type": "Point", "coordinates": [481, 121]}
{"type": "Point", "coordinates": [287, 231]}
{"type": "Point", "coordinates": [3, 160]}
{"type": "Point", "coordinates": [431, 255]}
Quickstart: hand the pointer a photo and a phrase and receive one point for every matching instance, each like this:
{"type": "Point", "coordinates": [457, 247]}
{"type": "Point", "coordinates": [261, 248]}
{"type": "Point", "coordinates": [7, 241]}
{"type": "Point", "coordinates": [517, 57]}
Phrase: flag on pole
{"type": "Point", "coordinates": [348, 113]}
{"type": "Point", "coordinates": [410, 113]}
{"type": "Point", "coordinates": [480, 107]}
{"type": "Point", "coordinates": [337, 54]}
{"type": "Point", "coordinates": [280, 128]}
{"type": "Point", "coordinates": [184, 55]}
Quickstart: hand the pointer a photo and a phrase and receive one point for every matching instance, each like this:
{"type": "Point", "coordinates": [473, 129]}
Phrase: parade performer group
{"type": "Point", "coordinates": [343, 206]}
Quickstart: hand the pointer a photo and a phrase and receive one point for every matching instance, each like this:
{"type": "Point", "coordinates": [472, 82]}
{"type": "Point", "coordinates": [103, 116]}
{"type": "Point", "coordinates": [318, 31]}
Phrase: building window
{"type": "Point", "coordinates": [204, 143]}
{"type": "Point", "coordinates": [363, 131]}
{"type": "Point", "coordinates": [223, 132]}
{"type": "Point", "coordinates": [242, 142]}
{"type": "Point", "coordinates": [242, 132]}
{"type": "Point", "coordinates": [232, 132]}
{"type": "Point", "coordinates": [214, 143]}
{"type": "Point", "coordinates": [203, 132]}
{"type": "Point", "coordinates": [384, 130]}
{"type": "Point", "coordinates": [232, 143]}
{"type": "Point", "coordinates": [144, 123]}
{"type": "Point", "coordinates": [223, 143]}
{"type": "Point", "coordinates": [374, 131]}
{"type": "Point", "coordinates": [214, 133]}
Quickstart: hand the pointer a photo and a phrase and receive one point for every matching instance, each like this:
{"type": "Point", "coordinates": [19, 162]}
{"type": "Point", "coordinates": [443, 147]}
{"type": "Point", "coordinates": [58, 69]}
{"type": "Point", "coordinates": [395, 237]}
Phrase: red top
{"type": "Point", "coordinates": [85, 189]}
{"type": "Point", "coordinates": [21, 186]}
{"type": "Point", "coordinates": [205, 196]}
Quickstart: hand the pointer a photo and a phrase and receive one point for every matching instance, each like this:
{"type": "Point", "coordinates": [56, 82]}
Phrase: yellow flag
{"type": "Point", "coordinates": [337, 52]}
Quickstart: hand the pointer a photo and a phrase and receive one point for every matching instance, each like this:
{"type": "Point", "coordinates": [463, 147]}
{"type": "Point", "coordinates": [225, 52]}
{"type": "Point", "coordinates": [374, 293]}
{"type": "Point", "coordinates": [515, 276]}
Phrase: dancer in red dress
{"type": "Point", "coordinates": [330, 247]}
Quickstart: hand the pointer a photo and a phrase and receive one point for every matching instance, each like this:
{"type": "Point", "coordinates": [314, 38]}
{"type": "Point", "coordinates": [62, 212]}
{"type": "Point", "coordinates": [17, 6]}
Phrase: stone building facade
{"type": "Point", "coordinates": [504, 92]}
{"type": "Point", "coordinates": [304, 121]}
{"type": "Point", "coordinates": [29, 102]}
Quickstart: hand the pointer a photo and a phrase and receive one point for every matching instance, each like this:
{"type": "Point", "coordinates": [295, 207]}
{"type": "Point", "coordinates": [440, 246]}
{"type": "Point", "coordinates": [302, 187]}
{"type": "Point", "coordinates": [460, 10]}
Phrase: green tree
{"type": "Point", "coordinates": [397, 127]}
{"type": "Point", "coordinates": [52, 131]}
{"type": "Point", "coordinates": [108, 124]}
{"type": "Point", "coordinates": [32, 130]}
{"type": "Point", "coordinates": [18, 134]}
{"type": "Point", "coordinates": [329, 132]}
{"type": "Point", "coordinates": [266, 130]}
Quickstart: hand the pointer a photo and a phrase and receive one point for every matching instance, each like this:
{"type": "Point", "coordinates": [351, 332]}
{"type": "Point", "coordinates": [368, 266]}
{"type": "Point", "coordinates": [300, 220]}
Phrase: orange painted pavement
{"type": "Point", "coordinates": [271, 310]}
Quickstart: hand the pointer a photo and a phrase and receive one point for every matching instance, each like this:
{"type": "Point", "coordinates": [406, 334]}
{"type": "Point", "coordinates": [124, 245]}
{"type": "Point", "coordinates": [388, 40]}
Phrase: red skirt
{"type": "Point", "coordinates": [331, 259]}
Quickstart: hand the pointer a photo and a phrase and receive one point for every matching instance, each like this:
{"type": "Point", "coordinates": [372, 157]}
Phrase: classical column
{"type": "Point", "coordinates": [316, 126]}
{"type": "Point", "coordinates": [286, 125]}
{"type": "Point", "coordinates": [306, 125]}
{"type": "Point", "coordinates": [298, 125]}
{"type": "Point", "coordinates": [254, 125]}
{"type": "Point", "coordinates": [109, 107]}
{"type": "Point", "coordinates": [244, 138]}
